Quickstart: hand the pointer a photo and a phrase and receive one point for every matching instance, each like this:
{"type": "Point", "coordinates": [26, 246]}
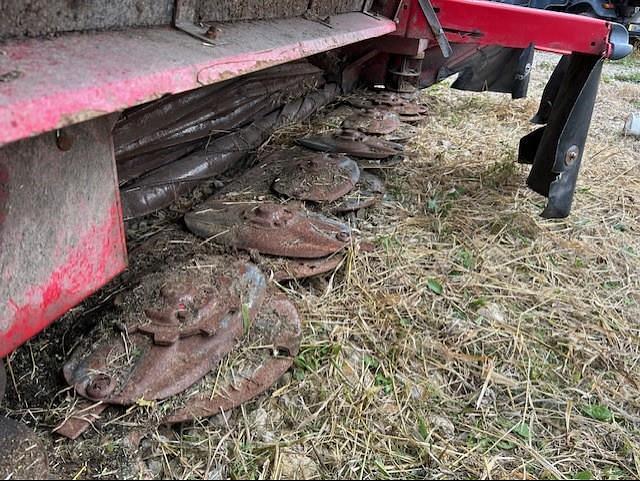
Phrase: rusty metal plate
{"type": "Point", "coordinates": [255, 183]}
{"type": "Point", "coordinates": [409, 118]}
{"type": "Point", "coordinates": [373, 121]}
{"type": "Point", "coordinates": [124, 367]}
{"type": "Point", "coordinates": [318, 178]}
{"type": "Point", "coordinates": [267, 352]}
{"type": "Point", "coordinates": [23, 454]}
{"type": "Point", "coordinates": [353, 143]}
{"type": "Point", "coordinates": [368, 192]}
{"type": "Point", "coordinates": [81, 419]}
{"type": "Point", "coordinates": [268, 228]}
{"type": "Point", "coordinates": [407, 110]}
{"type": "Point", "coordinates": [190, 309]}
{"type": "Point", "coordinates": [282, 269]}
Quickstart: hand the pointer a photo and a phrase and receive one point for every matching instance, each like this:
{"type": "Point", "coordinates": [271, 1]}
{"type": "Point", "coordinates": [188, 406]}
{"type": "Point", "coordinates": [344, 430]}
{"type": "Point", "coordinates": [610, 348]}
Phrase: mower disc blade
{"type": "Point", "coordinates": [268, 228]}
{"type": "Point", "coordinates": [267, 353]}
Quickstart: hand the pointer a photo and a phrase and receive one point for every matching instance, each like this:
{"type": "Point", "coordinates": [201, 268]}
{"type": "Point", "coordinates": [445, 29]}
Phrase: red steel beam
{"type": "Point", "coordinates": [486, 22]}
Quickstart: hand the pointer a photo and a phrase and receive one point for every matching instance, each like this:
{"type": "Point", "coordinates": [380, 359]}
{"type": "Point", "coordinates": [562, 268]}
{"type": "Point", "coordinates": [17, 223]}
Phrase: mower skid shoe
{"type": "Point", "coordinates": [556, 149]}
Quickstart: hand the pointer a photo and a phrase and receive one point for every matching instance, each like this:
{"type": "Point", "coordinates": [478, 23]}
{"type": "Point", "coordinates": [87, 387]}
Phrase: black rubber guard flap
{"type": "Point", "coordinates": [550, 92]}
{"type": "Point", "coordinates": [556, 149]}
{"type": "Point", "coordinates": [494, 69]}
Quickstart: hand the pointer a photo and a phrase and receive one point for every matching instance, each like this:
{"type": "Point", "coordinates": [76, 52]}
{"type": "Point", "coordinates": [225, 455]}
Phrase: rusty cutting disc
{"type": "Point", "coordinates": [268, 228]}
{"type": "Point", "coordinates": [267, 352]}
{"type": "Point", "coordinates": [319, 178]}
{"type": "Point", "coordinates": [124, 367]}
{"type": "Point", "coordinates": [255, 183]}
{"type": "Point", "coordinates": [373, 121]}
{"type": "Point", "coordinates": [405, 108]}
{"type": "Point", "coordinates": [403, 133]}
{"type": "Point", "coordinates": [190, 309]}
{"type": "Point", "coordinates": [353, 143]}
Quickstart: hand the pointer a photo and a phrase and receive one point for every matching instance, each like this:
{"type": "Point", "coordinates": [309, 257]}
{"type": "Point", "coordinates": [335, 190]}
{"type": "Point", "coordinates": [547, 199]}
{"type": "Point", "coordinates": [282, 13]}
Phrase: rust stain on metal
{"type": "Point", "coordinates": [318, 178]}
{"type": "Point", "coordinates": [278, 332]}
{"type": "Point", "coordinates": [268, 228]}
{"type": "Point", "coordinates": [373, 121]}
{"type": "Point", "coordinates": [354, 143]}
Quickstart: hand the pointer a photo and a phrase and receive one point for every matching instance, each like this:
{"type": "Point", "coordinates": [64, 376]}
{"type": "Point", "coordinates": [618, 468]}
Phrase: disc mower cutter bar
{"type": "Point", "coordinates": [61, 230]}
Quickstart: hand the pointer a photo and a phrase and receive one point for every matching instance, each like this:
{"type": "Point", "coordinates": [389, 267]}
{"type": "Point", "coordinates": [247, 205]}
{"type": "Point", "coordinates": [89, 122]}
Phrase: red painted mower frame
{"type": "Point", "coordinates": [50, 85]}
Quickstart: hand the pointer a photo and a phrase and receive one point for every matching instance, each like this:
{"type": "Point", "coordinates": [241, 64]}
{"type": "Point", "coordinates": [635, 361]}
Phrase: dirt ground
{"type": "Point", "coordinates": [477, 340]}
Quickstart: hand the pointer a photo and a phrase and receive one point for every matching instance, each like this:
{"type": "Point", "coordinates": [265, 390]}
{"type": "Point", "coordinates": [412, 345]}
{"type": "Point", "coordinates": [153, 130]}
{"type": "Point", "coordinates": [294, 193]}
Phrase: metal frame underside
{"type": "Point", "coordinates": [61, 227]}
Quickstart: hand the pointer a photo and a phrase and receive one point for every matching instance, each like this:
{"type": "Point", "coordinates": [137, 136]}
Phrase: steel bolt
{"type": "Point", "coordinates": [64, 141]}
{"type": "Point", "coordinates": [212, 32]}
{"type": "Point", "coordinates": [99, 387]}
{"type": "Point", "coordinates": [571, 155]}
{"type": "Point", "coordinates": [343, 236]}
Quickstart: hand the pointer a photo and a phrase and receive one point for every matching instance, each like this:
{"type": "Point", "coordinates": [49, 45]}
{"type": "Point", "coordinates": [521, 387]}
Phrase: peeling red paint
{"type": "Point", "coordinates": [98, 257]}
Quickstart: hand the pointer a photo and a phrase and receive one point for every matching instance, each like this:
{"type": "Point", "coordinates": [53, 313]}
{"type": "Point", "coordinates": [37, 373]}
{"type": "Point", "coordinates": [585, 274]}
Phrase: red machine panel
{"type": "Point", "coordinates": [61, 231]}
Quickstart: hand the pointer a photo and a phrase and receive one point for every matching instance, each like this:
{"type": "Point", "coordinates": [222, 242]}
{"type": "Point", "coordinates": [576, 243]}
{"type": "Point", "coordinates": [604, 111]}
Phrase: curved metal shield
{"type": "Point", "coordinates": [373, 121]}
